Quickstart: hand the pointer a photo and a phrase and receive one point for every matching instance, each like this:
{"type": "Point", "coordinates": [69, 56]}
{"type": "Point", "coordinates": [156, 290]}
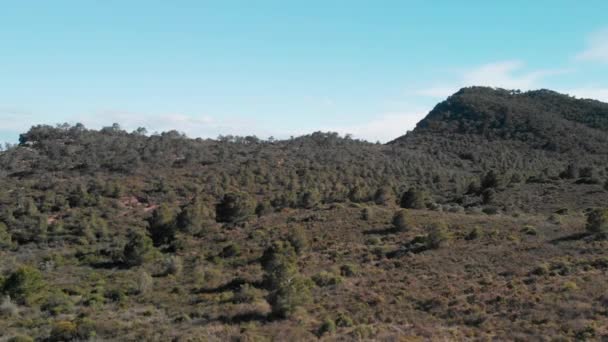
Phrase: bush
{"type": "Point", "coordinates": [234, 207]}
{"type": "Point", "coordinates": [474, 234]}
{"type": "Point", "coordinates": [438, 235]}
{"type": "Point", "coordinates": [173, 265]}
{"type": "Point", "coordinates": [367, 214]}
{"type": "Point", "coordinates": [25, 285]}
{"type": "Point", "coordinates": [400, 221]}
{"type": "Point", "coordinates": [195, 217]}
{"type": "Point", "coordinates": [163, 225]}
{"type": "Point", "coordinates": [230, 251]}
{"type": "Point", "coordinates": [8, 308]}
{"type": "Point", "coordinates": [529, 230]}
{"type": "Point", "coordinates": [414, 199]}
{"type": "Point", "coordinates": [298, 239]}
{"type": "Point", "coordinates": [144, 282]}
{"type": "Point", "coordinates": [58, 302]}
{"type": "Point", "coordinates": [344, 320]}
{"type": "Point", "coordinates": [63, 331]}
{"type": "Point", "coordinates": [597, 221]}
{"type": "Point", "coordinates": [138, 250]}
{"type": "Point", "coordinates": [288, 290]}
{"type": "Point", "coordinates": [488, 196]}
{"type": "Point", "coordinates": [328, 327]}
{"type": "Point", "coordinates": [246, 294]}
{"type": "Point", "coordinates": [263, 208]}
{"type": "Point", "coordinates": [289, 296]}
{"type": "Point", "coordinates": [349, 270]}
{"type": "Point", "coordinates": [384, 196]}
{"type": "Point", "coordinates": [325, 278]}
{"type": "Point", "coordinates": [6, 240]}
{"type": "Point", "coordinates": [490, 180]}
{"type": "Point", "coordinates": [20, 338]}
{"type": "Point", "coordinates": [310, 199]}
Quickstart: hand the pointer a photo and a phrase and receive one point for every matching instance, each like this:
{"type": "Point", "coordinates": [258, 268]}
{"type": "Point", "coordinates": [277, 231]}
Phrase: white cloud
{"type": "Point", "coordinates": [14, 120]}
{"type": "Point", "coordinates": [385, 127]}
{"type": "Point", "coordinates": [502, 74]}
{"type": "Point", "coordinates": [597, 47]}
{"type": "Point", "coordinates": [596, 93]}
{"type": "Point", "coordinates": [194, 126]}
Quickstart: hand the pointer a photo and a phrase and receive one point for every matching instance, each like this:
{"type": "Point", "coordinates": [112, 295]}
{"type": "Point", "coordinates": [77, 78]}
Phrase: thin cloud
{"type": "Point", "coordinates": [385, 127]}
{"type": "Point", "coordinates": [14, 119]}
{"type": "Point", "coordinates": [597, 47]}
{"type": "Point", "coordinates": [596, 93]}
{"type": "Point", "coordinates": [194, 126]}
{"type": "Point", "coordinates": [503, 74]}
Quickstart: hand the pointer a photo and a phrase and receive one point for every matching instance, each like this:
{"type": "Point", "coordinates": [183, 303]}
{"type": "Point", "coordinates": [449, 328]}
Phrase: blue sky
{"type": "Point", "coordinates": [281, 68]}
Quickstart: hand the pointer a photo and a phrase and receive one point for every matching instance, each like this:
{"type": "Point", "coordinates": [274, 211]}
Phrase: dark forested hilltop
{"type": "Point", "coordinates": [541, 118]}
{"type": "Point", "coordinates": [128, 236]}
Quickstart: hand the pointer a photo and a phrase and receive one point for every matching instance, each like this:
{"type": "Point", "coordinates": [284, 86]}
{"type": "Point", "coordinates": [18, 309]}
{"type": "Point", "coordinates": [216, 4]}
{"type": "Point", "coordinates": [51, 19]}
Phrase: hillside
{"type": "Point", "coordinates": [542, 119]}
{"type": "Point", "coordinates": [480, 224]}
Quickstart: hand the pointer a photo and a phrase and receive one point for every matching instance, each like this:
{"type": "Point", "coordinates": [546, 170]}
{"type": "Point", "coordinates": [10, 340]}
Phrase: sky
{"type": "Point", "coordinates": [281, 68]}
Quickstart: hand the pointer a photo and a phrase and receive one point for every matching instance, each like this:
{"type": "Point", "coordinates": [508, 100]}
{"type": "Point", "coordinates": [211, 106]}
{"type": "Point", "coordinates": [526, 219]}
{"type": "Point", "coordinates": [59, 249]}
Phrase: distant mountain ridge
{"type": "Point", "coordinates": [543, 119]}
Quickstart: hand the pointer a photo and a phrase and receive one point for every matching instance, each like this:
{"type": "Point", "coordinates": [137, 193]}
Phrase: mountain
{"type": "Point", "coordinates": [543, 119]}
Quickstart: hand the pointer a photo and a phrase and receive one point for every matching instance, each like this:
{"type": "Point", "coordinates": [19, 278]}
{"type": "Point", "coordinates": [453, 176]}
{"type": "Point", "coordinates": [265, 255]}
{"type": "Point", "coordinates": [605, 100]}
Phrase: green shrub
{"type": "Point", "coordinates": [288, 289]}
{"type": "Point", "coordinates": [597, 221]}
{"type": "Point", "coordinates": [115, 295]}
{"type": "Point", "coordinates": [298, 239]}
{"type": "Point", "coordinates": [367, 214]}
{"type": "Point", "coordinates": [438, 235]}
{"type": "Point", "coordinates": [290, 295]}
{"type": "Point", "coordinates": [400, 221]}
{"type": "Point", "coordinates": [325, 278]}
{"type": "Point", "coordinates": [349, 270]}
{"type": "Point", "coordinates": [173, 265]}
{"type": "Point", "coordinates": [138, 249]}
{"type": "Point", "coordinates": [310, 199]}
{"type": "Point", "coordinates": [328, 327]}
{"type": "Point", "coordinates": [474, 234]}
{"type": "Point", "coordinates": [8, 308]}
{"type": "Point", "coordinates": [490, 180]}
{"type": "Point", "coordinates": [25, 285]}
{"type": "Point", "coordinates": [246, 294]}
{"type": "Point", "coordinates": [63, 331]}
{"type": "Point", "coordinates": [195, 218]}
{"type": "Point", "coordinates": [384, 196]}
{"type": "Point", "coordinates": [263, 208]}
{"type": "Point", "coordinates": [230, 251]}
{"type": "Point", "coordinates": [344, 320]}
{"type": "Point", "coordinates": [529, 230]}
{"type": "Point", "coordinates": [20, 338]}
{"type": "Point", "coordinates": [488, 196]}
{"type": "Point", "coordinates": [57, 303]}
{"type": "Point", "coordinates": [414, 199]}
{"type": "Point", "coordinates": [144, 282]}
{"type": "Point", "coordinates": [234, 207]}
{"type": "Point", "coordinates": [6, 240]}
{"type": "Point", "coordinates": [163, 225]}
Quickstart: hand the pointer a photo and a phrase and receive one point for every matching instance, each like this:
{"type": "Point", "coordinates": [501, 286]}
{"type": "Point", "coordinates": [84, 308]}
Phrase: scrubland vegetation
{"type": "Point", "coordinates": [488, 221]}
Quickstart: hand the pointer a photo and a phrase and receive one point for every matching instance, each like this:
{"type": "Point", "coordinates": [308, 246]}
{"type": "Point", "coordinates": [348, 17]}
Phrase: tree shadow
{"type": "Point", "coordinates": [571, 237]}
{"type": "Point", "coordinates": [414, 246]}
{"type": "Point", "coordinates": [232, 285]}
{"type": "Point", "coordinates": [382, 231]}
{"type": "Point", "coordinates": [244, 318]}
{"type": "Point", "coordinates": [108, 265]}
